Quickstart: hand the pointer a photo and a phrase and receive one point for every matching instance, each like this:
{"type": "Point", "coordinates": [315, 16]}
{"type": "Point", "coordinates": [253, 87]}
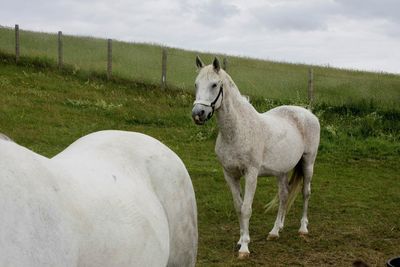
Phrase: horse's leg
{"type": "Point", "coordinates": [283, 195]}
{"type": "Point", "coordinates": [234, 185]}
{"type": "Point", "coordinates": [250, 188]}
{"type": "Point", "coordinates": [308, 169]}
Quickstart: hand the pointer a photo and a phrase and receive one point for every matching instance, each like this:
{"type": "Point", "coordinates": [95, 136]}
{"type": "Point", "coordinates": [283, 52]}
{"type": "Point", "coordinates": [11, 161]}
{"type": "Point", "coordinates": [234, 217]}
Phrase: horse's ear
{"type": "Point", "coordinates": [216, 65]}
{"type": "Point", "coordinates": [199, 63]}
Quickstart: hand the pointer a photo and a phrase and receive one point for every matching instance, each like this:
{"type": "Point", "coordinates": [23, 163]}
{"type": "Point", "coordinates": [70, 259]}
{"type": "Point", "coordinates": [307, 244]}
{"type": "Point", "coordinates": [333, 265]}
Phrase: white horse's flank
{"type": "Point", "coordinates": [251, 144]}
{"type": "Point", "coordinates": [112, 198]}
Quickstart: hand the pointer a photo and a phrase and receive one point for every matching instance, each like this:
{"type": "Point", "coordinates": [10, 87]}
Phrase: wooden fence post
{"type": "Point", "coordinates": [16, 43]}
{"type": "Point", "coordinates": [60, 51]}
{"type": "Point", "coordinates": [310, 86]}
{"type": "Point", "coordinates": [225, 64]}
{"type": "Point", "coordinates": [164, 69]}
{"type": "Point", "coordinates": [109, 59]}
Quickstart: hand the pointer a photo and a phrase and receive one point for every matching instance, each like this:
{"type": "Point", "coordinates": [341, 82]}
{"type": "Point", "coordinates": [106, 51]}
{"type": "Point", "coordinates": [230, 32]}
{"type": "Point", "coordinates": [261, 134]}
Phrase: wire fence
{"type": "Point", "coordinates": [170, 67]}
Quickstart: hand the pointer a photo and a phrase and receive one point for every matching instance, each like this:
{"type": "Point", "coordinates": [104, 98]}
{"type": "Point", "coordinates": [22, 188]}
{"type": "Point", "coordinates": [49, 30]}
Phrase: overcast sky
{"type": "Point", "coordinates": [358, 34]}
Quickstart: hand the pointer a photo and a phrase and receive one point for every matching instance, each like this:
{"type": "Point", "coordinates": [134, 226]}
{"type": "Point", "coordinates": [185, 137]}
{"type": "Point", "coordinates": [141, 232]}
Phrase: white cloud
{"type": "Point", "coordinates": [293, 15]}
{"type": "Point", "coordinates": [362, 34]}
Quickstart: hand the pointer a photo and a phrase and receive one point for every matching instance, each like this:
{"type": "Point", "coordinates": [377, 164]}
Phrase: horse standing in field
{"type": "Point", "coordinates": [112, 198]}
{"type": "Point", "coordinates": [251, 144]}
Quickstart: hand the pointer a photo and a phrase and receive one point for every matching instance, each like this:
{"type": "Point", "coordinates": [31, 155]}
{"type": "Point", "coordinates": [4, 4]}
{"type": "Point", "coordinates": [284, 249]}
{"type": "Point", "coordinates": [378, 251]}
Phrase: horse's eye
{"type": "Point", "coordinates": [214, 85]}
{"type": "Point", "coordinates": [195, 85]}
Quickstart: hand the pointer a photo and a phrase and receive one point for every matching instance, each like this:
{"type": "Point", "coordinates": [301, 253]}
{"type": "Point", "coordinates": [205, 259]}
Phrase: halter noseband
{"type": "Point", "coordinates": [211, 104]}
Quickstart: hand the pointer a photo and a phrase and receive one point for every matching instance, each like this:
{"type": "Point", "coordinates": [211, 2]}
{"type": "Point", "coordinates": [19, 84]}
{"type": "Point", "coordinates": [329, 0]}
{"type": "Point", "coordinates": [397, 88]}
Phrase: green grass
{"type": "Point", "coordinates": [354, 208]}
{"type": "Point", "coordinates": [142, 62]}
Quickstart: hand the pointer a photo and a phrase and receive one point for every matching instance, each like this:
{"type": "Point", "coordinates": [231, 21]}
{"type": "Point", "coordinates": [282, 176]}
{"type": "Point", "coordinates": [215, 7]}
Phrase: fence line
{"type": "Point", "coordinates": [164, 69]}
{"type": "Point", "coordinates": [267, 69]}
{"type": "Point", "coordinates": [225, 64]}
{"type": "Point", "coordinates": [109, 59]}
{"type": "Point", "coordinates": [16, 43]}
{"type": "Point", "coordinates": [60, 51]}
{"type": "Point", "coordinates": [310, 87]}
{"type": "Point", "coordinates": [165, 52]}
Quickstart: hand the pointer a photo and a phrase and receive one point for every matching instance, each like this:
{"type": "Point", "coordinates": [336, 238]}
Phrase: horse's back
{"type": "Point", "coordinates": [55, 213]}
{"type": "Point", "coordinates": [35, 231]}
{"type": "Point", "coordinates": [161, 168]}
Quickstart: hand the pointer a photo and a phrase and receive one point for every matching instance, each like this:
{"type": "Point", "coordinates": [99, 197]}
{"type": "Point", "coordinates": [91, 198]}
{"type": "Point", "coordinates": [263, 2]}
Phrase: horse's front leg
{"type": "Point", "coordinates": [234, 184]}
{"type": "Point", "coordinates": [250, 188]}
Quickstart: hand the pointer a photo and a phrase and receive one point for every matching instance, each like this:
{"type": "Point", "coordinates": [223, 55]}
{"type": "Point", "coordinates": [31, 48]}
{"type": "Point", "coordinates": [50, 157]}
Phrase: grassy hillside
{"type": "Point", "coordinates": [354, 205]}
{"type": "Point", "coordinates": [142, 62]}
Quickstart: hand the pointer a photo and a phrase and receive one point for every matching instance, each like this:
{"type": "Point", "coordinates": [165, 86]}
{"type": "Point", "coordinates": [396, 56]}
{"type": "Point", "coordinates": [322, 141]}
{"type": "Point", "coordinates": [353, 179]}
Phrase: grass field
{"type": "Point", "coordinates": [354, 208]}
{"type": "Point", "coordinates": [142, 62]}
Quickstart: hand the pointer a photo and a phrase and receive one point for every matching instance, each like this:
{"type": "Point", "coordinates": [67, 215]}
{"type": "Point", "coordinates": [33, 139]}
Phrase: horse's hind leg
{"type": "Point", "coordinates": [308, 169]}
{"type": "Point", "coordinates": [283, 196]}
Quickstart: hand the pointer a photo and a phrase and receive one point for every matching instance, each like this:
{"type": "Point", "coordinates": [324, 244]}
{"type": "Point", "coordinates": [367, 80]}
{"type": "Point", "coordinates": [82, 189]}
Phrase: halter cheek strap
{"type": "Point", "coordinates": [211, 104]}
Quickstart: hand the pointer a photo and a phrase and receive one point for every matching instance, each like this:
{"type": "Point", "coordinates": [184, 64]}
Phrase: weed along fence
{"type": "Point", "coordinates": [175, 68]}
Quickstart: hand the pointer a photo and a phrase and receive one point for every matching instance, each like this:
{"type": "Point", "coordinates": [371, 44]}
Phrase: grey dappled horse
{"type": "Point", "coordinates": [251, 144]}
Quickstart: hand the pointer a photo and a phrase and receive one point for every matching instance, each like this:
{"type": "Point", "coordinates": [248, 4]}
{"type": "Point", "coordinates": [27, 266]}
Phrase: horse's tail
{"type": "Point", "coordinates": [295, 183]}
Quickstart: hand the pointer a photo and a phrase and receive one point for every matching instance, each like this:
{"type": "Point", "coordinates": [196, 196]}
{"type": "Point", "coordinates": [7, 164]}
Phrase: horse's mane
{"type": "Point", "coordinates": [233, 86]}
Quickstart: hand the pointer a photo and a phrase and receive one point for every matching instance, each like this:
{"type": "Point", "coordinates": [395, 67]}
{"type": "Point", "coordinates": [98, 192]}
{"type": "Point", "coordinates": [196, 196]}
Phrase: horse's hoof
{"type": "Point", "coordinates": [272, 237]}
{"type": "Point", "coordinates": [303, 234]}
{"type": "Point", "coordinates": [243, 255]}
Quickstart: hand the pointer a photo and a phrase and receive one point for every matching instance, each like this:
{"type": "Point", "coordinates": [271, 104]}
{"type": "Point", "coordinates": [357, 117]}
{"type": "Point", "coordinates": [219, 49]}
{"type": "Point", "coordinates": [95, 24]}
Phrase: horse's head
{"type": "Point", "coordinates": [209, 91]}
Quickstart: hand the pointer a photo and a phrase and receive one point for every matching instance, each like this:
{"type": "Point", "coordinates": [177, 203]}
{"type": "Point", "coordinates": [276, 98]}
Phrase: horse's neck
{"type": "Point", "coordinates": [234, 112]}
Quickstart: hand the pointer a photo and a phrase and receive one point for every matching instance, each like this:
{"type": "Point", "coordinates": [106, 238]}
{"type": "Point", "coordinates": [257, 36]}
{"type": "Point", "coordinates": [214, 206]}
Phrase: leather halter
{"type": "Point", "coordinates": [211, 104]}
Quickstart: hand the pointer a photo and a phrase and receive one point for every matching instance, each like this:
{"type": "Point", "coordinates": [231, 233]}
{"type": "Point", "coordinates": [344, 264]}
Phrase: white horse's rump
{"type": "Point", "coordinates": [251, 144]}
{"type": "Point", "coordinates": [110, 199]}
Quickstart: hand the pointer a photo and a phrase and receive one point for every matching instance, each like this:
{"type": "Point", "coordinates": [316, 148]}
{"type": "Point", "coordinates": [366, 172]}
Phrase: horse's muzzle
{"type": "Point", "coordinates": [200, 114]}
{"type": "Point", "coordinates": [197, 120]}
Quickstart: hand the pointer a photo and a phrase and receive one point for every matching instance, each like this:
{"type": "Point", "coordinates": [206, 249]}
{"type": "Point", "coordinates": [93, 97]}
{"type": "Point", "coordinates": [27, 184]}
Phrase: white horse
{"type": "Point", "coordinates": [112, 198]}
{"type": "Point", "coordinates": [251, 144]}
